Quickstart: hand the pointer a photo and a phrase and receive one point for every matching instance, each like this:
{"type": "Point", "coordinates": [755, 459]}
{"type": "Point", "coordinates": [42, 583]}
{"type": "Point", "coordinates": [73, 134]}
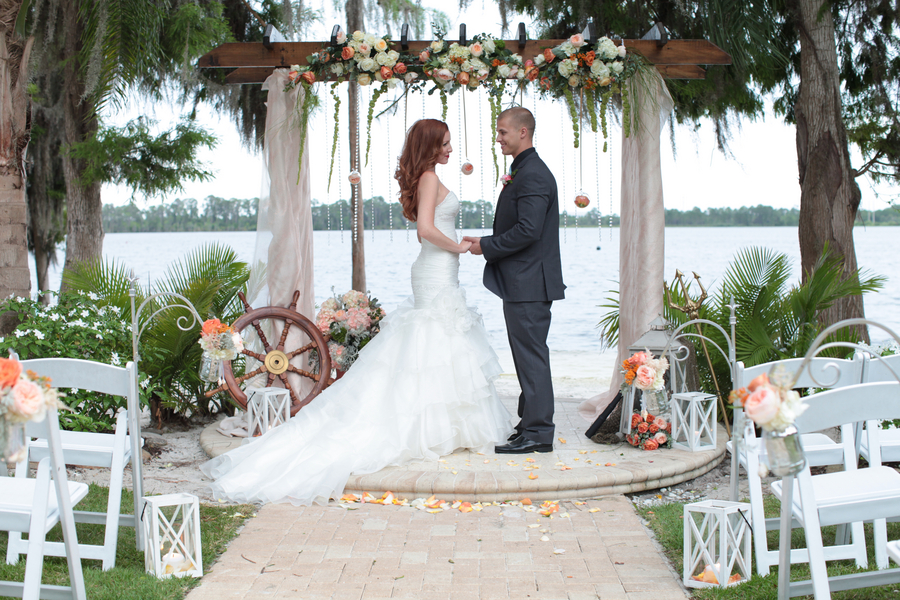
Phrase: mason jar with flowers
{"type": "Point", "coordinates": [771, 404]}
{"type": "Point", "coordinates": [648, 375]}
{"type": "Point", "coordinates": [349, 322]}
{"type": "Point", "coordinates": [220, 342]}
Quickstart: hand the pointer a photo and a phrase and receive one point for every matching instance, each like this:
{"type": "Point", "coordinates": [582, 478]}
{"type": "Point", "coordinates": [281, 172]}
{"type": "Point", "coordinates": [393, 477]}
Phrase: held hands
{"type": "Point", "coordinates": [464, 246]}
{"type": "Point", "coordinates": [475, 244]}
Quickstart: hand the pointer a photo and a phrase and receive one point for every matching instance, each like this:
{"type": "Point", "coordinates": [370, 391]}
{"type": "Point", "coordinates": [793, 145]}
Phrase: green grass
{"type": "Point", "coordinates": [128, 580]}
{"type": "Point", "coordinates": [667, 523]}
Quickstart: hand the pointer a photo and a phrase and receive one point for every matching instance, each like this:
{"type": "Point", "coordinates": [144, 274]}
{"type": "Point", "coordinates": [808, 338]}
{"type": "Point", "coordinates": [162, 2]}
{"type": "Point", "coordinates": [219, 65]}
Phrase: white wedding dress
{"type": "Point", "coordinates": [422, 388]}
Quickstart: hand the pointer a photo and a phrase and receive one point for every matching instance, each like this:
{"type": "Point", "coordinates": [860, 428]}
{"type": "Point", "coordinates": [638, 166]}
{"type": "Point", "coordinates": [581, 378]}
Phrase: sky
{"type": "Point", "coordinates": [760, 169]}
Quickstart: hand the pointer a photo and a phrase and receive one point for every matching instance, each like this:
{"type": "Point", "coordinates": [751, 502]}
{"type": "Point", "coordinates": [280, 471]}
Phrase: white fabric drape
{"type": "Point", "coordinates": [283, 259]}
{"type": "Point", "coordinates": [642, 225]}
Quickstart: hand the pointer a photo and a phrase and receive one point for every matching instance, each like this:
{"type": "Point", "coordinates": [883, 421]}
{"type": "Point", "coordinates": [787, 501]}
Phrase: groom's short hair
{"type": "Point", "coordinates": [520, 117]}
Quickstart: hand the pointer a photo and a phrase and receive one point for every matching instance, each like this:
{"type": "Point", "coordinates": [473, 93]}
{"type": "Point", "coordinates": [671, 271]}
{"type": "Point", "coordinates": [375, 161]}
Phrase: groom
{"type": "Point", "coordinates": [524, 269]}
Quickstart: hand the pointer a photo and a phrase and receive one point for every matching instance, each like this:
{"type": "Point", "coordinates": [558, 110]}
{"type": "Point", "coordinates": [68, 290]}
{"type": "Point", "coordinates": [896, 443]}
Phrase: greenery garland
{"type": "Point", "coordinates": [304, 108]}
{"type": "Point", "coordinates": [337, 114]}
{"type": "Point", "coordinates": [604, 107]}
{"type": "Point", "coordinates": [374, 100]}
{"type": "Point", "coordinates": [573, 112]}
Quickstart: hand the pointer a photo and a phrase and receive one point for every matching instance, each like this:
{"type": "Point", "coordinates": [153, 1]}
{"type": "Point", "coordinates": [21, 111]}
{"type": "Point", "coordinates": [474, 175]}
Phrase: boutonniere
{"type": "Point", "coordinates": [509, 177]}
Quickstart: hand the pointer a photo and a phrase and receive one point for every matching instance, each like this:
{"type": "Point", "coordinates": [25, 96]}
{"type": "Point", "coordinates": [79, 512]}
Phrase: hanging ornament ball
{"type": "Point", "coordinates": [581, 200]}
{"type": "Point", "coordinates": [354, 177]}
{"type": "Point", "coordinates": [467, 168]}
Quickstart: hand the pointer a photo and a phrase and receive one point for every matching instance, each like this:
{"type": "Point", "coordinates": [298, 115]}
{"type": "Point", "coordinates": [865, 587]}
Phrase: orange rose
{"type": "Point", "coordinates": [757, 382]}
{"type": "Point", "coordinates": [650, 418]}
{"type": "Point", "coordinates": [653, 428]}
{"type": "Point", "coordinates": [386, 73]}
{"type": "Point", "coordinates": [635, 419]}
{"type": "Point", "coordinates": [531, 73]}
{"type": "Point", "coordinates": [423, 56]}
{"type": "Point", "coordinates": [496, 62]}
{"type": "Point", "coordinates": [400, 68]}
{"type": "Point", "coordinates": [548, 55]}
{"type": "Point", "coordinates": [589, 58]}
{"type": "Point", "coordinates": [347, 53]}
{"type": "Point", "coordinates": [643, 428]}
{"type": "Point", "coordinates": [650, 445]}
{"type": "Point", "coordinates": [10, 370]}
{"type": "Point", "coordinates": [211, 326]}
{"type": "Point", "coordinates": [463, 78]}
{"type": "Point", "coordinates": [546, 84]}
{"type": "Point", "coordinates": [308, 76]}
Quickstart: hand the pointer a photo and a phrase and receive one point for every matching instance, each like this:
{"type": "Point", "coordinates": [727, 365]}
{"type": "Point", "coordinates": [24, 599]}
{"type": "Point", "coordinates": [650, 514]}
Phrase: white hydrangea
{"type": "Point", "coordinates": [478, 65]}
{"type": "Point", "coordinates": [568, 48]}
{"type": "Point", "coordinates": [337, 69]}
{"type": "Point", "coordinates": [606, 49]}
{"type": "Point", "coordinates": [567, 67]}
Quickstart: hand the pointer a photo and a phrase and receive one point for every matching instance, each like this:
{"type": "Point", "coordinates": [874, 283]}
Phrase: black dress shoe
{"type": "Point", "coordinates": [522, 445]}
{"type": "Point", "coordinates": [514, 435]}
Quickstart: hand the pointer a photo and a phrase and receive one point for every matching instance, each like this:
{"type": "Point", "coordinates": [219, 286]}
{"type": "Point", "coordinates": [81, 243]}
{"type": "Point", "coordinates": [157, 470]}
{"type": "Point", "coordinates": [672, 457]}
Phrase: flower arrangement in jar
{"type": "Point", "coordinates": [220, 342]}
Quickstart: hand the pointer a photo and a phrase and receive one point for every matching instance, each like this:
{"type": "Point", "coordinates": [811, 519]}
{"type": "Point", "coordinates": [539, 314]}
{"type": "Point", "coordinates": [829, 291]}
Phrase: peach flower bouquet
{"type": "Point", "coordinates": [644, 372]}
{"type": "Point", "coordinates": [771, 405]}
{"type": "Point", "coordinates": [24, 396]}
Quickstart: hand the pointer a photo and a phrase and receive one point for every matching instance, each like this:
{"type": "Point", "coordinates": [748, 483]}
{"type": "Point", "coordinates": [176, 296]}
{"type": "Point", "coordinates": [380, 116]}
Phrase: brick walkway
{"type": "Point", "coordinates": [371, 552]}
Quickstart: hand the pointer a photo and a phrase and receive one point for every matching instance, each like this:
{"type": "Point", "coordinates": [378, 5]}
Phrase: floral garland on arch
{"type": "Point", "coordinates": [587, 78]}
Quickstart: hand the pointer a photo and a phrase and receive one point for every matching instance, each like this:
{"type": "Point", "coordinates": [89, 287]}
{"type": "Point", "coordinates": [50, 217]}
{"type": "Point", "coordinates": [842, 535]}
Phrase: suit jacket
{"type": "Point", "coordinates": [523, 262]}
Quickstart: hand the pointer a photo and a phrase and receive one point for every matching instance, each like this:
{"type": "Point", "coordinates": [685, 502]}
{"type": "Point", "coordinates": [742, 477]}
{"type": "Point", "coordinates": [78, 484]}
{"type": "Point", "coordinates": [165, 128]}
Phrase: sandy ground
{"type": "Point", "coordinates": [175, 455]}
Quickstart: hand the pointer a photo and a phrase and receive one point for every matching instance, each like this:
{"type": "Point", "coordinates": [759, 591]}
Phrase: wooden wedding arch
{"type": "Point", "coordinates": [254, 62]}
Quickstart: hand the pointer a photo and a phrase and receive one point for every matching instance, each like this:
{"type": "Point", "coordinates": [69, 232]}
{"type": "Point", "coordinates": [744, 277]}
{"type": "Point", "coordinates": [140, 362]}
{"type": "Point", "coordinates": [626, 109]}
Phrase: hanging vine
{"type": "Point", "coordinates": [337, 114]}
{"type": "Point", "coordinates": [372, 102]}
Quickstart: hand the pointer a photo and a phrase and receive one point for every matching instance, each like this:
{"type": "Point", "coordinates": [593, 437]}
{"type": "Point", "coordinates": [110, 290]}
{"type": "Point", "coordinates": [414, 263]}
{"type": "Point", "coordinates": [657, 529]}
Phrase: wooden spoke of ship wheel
{"type": "Point", "coordinates": [276, 361]}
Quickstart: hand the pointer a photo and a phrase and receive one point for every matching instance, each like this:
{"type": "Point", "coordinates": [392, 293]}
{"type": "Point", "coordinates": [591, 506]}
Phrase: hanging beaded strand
{"type": "Point", "coordinates": [356, 186]}
{"type": "Point", "coordinates": [563, 156]}
{"type": "Point", "coordinates": [328, 192]}
{"type": "Point", "coordinates": [609, 147]}
{"type": "Point", "coordinates": [481, 156]}
{"type": "Point", "coordinates": [340, 184]}
{"type": "Point", "coordinates": [597, 187]}
{"type": "Point", "coordinates": [390, 195]}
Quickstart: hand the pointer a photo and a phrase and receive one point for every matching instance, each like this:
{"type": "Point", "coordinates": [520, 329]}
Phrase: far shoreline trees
{"type": "Point", "coordinates": [218, 214]}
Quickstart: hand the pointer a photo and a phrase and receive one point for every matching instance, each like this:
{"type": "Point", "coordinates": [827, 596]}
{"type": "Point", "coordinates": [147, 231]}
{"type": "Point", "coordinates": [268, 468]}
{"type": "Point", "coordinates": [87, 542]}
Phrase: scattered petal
{"type": "Point", "coordinates": [610, 464]}
{"type": "Point", "coordinates": [559, 551]}
{"type": "Point", "coordinates": [562, 440]}
{"type": "Point", "coordinates": [544, 538]}
{"type": "Point", "coordinates": [529, 460]}
{"type": "Point", "coordinates": [526, 501]}
{"type": "Point", "coordinates": [594, 510]}
{"type": "Point", "coordinates": [532, 476]}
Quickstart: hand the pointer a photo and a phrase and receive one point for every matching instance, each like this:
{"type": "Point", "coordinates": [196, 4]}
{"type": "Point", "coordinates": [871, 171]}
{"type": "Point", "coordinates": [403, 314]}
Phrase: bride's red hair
{"type": "Point", "coordinates": [420, 153]}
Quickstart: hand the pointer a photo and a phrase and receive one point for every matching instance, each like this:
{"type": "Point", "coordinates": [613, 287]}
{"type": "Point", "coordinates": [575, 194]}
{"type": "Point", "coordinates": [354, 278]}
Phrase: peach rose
{"type": "Point", "coordinates": [638, 358]}
{"type": "Point", "coordinates": [762, 405]}
{"type": "Point", "coordinates": [650, 445]}
{"type": "Point", "coordinates": [761, 380]}
{"type": "Point", "coordinates": [386, 73]}
{"type": "Point", "coordinates": [347, 53]}
{"type": "Point", "coordinates": [10, 371]}
{"type": "Point", "coordinates": [645, 377]}
{"type": "Point", "coordinates": [28, 401]}
{"type": "Point", "coordinates": [577, 40]}
{"type": "Point", "coordinates": [653, 428]}
{"type": "Point", "coordinates": [381, 45]}
{"type": "Point", "coordinates": [423, 56]}
{"type": "Point", "coordinates": [660, 438]}
{"type": "Point", "coordinates": [399, 68]}
{"type": "Point", "coordinates": [531, 73]}
{"type": "Point", "coordinates": [476, 49]}
{"type": "Point", "coordinates": [548, 55]}
{"type": "Point", "coordinates": [635, 419]}
{"type": "Point", "coordinates": [463, 78]}
{"type": "Point", "coordinates": [365, 49]}
{"type": "Point", "coordinates": [308, 76]}
{"type": "Point", "coordinates": [661, 423]}
{"type": "Point", "coordinates": [444, 75]}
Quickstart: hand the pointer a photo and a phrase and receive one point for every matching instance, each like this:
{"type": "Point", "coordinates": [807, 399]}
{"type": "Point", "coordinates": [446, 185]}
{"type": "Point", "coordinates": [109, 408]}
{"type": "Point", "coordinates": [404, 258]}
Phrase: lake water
{"type": "Point", "coordinates": [590, 269]}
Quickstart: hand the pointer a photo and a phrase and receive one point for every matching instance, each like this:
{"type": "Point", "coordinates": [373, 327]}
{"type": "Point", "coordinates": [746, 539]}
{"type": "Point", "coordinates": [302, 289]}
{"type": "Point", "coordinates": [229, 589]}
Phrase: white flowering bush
{"type": "Point", "coordinates": [77, 326]}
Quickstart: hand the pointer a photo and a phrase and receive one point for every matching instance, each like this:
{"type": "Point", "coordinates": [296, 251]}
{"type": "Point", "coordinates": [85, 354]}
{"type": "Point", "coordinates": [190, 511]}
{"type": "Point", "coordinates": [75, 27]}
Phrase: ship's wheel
{"type": "Point", "coordinates": [276, 362]}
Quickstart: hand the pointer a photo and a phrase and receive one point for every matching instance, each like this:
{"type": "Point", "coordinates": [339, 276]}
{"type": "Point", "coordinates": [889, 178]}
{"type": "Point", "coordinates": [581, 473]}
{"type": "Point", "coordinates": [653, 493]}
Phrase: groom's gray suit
{"type": "Point", "coordinates": [524, 269]}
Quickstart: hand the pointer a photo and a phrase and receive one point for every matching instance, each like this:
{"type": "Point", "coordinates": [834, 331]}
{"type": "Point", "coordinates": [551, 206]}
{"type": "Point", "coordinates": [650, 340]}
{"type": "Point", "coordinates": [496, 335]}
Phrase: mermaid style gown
{"type": "Point", "coordinates": [420, 389]}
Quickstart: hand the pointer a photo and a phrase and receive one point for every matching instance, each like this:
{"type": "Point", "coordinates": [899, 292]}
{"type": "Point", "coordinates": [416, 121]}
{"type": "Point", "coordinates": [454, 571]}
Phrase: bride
{"type": "Point", "coordinates": [423, 387]}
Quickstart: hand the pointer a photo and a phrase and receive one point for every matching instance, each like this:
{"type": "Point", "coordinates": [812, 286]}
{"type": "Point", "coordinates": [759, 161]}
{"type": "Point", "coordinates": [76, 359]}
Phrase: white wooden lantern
{"type": "Point", "coordinates": [716, 543]}
{"type": "Point", "coordinates": [694, 420]}
{"type": "Point", "coordinates": [267, 408]}
{"type": "Point", "coordinates": [172, 536]}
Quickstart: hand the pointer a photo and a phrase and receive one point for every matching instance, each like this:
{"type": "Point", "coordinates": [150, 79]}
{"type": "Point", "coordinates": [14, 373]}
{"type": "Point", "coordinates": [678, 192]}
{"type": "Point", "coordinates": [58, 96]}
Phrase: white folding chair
{"type": "Point", "coordinates": [848, 496]}
{"type": "Point", "coordinates": [820, 449]}
{"type": "Point", "coordinates": [875, 369]}
{"type": "Point", "coordinates": [114, 451]}
{"type": "Point", "coordinates": [34, 506]}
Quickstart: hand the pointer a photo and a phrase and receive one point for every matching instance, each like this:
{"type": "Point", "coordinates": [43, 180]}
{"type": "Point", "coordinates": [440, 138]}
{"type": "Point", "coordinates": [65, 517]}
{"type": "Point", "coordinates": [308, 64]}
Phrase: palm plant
{"type": "Point", "coordinates": [774, 320]}
{"type": "Point", "coordinates": [210, 278]}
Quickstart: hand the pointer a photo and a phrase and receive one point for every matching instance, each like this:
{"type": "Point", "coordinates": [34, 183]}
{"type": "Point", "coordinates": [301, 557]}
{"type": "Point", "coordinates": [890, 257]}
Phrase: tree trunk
{"type": "Point", "coordinates": [829, 196]}
{"type": "Point", "coordinates": [84, 238]}
{"type": "Point", "coordinates": [15, 129]}
{"type": "Point", "coordinates": [354, 10]}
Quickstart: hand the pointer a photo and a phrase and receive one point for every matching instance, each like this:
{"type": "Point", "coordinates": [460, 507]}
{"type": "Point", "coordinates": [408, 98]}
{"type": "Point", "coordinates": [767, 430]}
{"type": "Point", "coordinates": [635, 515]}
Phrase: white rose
{"type": "Point", "coordinates": [358, 35]}
{"type": "Point", "coordinates": [516, 58]}
{"type": "Point", "coordinates": [622, 51]}
{"type": "Point", "coordinates": [380, 45]}
{"type": "Point", "coordinates": [539, 60]}
{"type": "Point", "coordinates": [341, 37]}
{"type": "Point", "coordinates": [599, 70]}
{"type": "Point", "coordinates": [489, 46]}
{"type": "Point", "coordinates": [382, 58]}
{"type": "Point", "coordinates": [520, 74]}
{"type": "Point", "coordinates": [370, 39]}
{"type": "Point", "coordinates": [513, 71]}
{"type": "Point", "coordinates": [410, 76]}
{"type": "Point", "coordinates": [616, 67]}
{"type": "Point", "coordinates": [392, 83]}
{"type": "Point", "coordinates": [574, 81]}
{"type": "Point", "coordinates": [503, 71]}
{"type": "Point", "coordinates": [394, 56]}
{"type": "Point", "coordinates": [368, 64]}
{"type": "Point", "coordinates": [363, 79]}
{"type": "Point", "coordinates": [295, 67]}
{"type": "Point", "coordinates": [437, 45]}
